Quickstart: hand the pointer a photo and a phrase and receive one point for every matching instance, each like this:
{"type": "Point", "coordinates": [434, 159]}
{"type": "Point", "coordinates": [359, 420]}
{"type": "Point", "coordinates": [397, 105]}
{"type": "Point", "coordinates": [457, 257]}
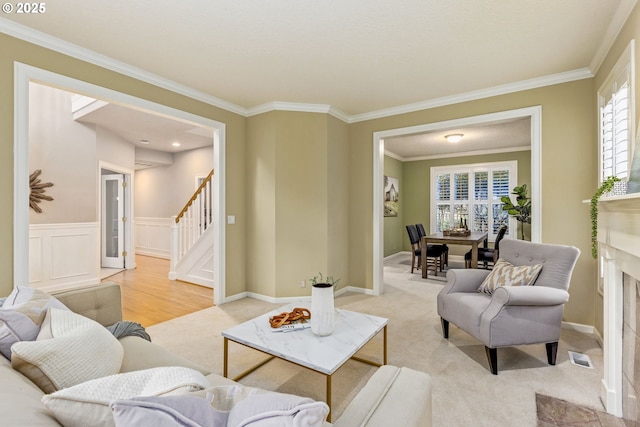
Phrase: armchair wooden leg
{"type": "Point", "coordinates": [445, 328]}
{"type": "Point", "coordinates": [552, 351]}
{"type": "Point", "coordinates": [492, 357]}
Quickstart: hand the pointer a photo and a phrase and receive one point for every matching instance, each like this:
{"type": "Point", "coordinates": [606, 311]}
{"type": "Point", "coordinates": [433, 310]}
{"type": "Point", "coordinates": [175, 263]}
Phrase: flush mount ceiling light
{"type": "Point", "coordinates": [176, 144]}
{"type": "Point", "coordinates": [454, 137]}
{"type": "Point", "coordinates": [144, 141]}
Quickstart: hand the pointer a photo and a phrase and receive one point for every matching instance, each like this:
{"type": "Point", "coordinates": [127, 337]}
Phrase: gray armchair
{"type": "Point", "coordinates": [513, 315]}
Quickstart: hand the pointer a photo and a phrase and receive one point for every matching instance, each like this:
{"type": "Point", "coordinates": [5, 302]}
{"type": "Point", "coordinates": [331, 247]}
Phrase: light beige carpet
{"type": "Point", "coordinates": [464, 391]}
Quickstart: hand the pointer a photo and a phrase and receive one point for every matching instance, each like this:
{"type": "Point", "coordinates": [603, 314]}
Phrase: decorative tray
{"type": "Point", "coordinates": [457, 232]}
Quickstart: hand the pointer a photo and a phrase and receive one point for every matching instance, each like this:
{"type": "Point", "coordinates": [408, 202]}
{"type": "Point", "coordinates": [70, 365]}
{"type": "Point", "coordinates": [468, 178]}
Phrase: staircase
{"type": "Point", "coordinates": [192, 238]}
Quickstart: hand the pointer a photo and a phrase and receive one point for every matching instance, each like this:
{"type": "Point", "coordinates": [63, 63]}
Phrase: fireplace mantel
{"type": "Point", "coordinates": [619, 251]}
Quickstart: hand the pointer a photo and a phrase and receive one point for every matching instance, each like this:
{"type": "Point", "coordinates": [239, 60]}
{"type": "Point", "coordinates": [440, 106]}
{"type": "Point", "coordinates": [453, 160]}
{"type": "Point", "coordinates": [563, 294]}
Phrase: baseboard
{"type": "Point", "coordinates": [397, 255]}
{"type": "Point", "coordinates": [585, 329]}
{"type": "Point", "coordinates": [599, 338]}
{"type": "Point", "coordinates": [287, 300]}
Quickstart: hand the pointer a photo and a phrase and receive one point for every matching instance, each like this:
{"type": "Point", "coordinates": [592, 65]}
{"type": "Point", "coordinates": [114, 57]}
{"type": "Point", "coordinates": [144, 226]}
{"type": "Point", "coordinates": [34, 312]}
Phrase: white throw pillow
{"type": "Point", "coordinates": [278, 410]}
{"type": "Point", "coordinates": [87, 404]}
{"type": "Point", "coordinates": [21, 316]}
{"type": "Point", "coordinates": [506, 274]}
{"type": "Point", "coordinates": [70, 349]}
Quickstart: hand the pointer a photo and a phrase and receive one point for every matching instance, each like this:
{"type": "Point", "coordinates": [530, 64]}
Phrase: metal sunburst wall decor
{"type": "Point", "coordinates": [38, 189]}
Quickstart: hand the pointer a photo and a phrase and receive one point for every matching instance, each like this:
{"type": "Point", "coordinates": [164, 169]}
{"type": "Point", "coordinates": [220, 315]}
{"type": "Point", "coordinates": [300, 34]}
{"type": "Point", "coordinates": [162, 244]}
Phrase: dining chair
{"type": "Point", "coordinates": [434, 255]}
{"type": "Point", "coordinates": [445, 255]}
{"type": "Point", "coordinates": [488, 256]}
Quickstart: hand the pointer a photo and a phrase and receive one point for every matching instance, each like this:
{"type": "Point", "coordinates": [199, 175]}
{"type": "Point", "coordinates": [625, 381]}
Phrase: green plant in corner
{"type": "Point", "coordinates": [522, 209]}
{"type": "Point", "coordinates": [605, 187]}
{"type": "Point", "coordinates": [324, 280]}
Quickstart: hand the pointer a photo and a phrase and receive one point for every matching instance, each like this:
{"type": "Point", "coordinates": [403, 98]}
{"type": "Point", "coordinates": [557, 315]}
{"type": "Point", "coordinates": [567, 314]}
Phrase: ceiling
{"type": "Point", "coordinates": [356, 56]}
{"type": "Point", "coordinates": [498, 136]}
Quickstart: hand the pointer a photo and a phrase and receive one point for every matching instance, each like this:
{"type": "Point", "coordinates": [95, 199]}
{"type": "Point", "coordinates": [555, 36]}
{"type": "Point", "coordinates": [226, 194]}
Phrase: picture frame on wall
{"type": "Point", "coordinates": [391, 196]}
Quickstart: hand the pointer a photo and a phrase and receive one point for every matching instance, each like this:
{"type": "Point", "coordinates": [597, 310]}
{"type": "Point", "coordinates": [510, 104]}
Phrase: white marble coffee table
{"type": "Point", "coordinates": [321, 354]}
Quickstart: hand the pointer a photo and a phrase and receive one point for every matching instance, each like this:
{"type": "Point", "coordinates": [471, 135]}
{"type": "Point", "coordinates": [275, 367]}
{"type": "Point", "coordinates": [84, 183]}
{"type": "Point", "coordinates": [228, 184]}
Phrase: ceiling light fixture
{"type": "Point", "coordinates": [176, 144]}
{"type": "Point", "coordinates": [454, 137]}
{"type": "Point", "coordinates": [144, 141]}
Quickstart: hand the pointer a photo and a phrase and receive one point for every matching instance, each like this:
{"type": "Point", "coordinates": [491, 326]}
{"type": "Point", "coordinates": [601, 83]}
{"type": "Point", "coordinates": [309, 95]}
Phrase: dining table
{"type": "Point", "coordinates": [474, 239]}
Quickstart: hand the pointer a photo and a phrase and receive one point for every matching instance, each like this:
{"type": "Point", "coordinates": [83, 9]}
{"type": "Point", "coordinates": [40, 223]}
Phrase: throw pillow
{"type": "Point", "coordinates": [506, 274]}
{"type": "Point", "coordinates": [70, 349]}
{"type": "Point", "coordinates": [231, 406]}
{"type": "Point", "coordinates": [277, 410]}
{"type": "Point", "coordinates": [21, 316]}
{"type": "Point", "coordinates": [87, 404]}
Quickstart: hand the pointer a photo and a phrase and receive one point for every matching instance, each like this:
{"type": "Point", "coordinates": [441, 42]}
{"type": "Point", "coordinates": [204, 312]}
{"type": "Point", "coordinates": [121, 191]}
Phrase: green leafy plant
{"type": "Point", "coordinates": [605, 187]}
{"type": "Point", "coordinates": [521, 210]}
{"type": "Point", "coordinates": [326, 280]}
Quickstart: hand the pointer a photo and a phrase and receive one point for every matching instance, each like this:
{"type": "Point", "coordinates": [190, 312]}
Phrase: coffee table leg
{"type": "Point", "coordinates": [225, 365]}
{"type": "Point", "coordinates": [384, 345]}
{"type": "Point", "coordinates": [329, 396]}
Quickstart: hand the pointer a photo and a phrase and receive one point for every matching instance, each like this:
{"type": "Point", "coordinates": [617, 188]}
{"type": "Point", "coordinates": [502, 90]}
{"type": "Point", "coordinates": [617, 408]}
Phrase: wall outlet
{"type": "Point", "coordinates": [303, 284]}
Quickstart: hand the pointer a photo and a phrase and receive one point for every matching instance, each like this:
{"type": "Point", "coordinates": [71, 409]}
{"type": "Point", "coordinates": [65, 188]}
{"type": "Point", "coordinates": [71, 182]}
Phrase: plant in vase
{"type": "Point", "coordinates": [521, 210]}
{"type": "Point", "coordinates": [322, 306]}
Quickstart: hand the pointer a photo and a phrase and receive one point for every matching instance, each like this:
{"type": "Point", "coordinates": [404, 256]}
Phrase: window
{"type": "Point", "coordinates": [615, 106]}
{"type": "Point", "coordinates": [470, 194]}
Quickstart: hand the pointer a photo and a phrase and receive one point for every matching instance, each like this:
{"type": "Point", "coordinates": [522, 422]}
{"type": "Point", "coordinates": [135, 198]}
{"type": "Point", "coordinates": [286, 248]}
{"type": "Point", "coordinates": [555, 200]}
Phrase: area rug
{"type": "Point", "coordinates": [561, 413]}
{"type": "Point", "coordinates": [464, 391]}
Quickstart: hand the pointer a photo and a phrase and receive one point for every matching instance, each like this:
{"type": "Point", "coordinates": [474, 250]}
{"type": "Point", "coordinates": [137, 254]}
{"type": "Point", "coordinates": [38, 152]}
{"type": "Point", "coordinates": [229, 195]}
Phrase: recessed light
{"type": "Point", "coordinates": [454, 137]}
{"type": "Point", "coordinates": [176, 144]}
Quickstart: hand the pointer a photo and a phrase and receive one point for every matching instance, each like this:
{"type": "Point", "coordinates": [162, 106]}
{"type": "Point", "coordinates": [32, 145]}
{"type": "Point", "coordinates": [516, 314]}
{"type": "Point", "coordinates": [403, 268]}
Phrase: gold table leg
{"type": "Point", "coordinates": [329, 396]}
{"type": "Point", "coordinates": [225, 365]}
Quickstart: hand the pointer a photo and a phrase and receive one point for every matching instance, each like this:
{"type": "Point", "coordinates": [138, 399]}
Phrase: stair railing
{"type": "Point", "coordinates": [192, 221]}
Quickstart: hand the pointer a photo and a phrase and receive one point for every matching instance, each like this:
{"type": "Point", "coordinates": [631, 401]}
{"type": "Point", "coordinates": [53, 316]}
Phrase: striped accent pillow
{"type": "Point", "coordinates": [506, 274]}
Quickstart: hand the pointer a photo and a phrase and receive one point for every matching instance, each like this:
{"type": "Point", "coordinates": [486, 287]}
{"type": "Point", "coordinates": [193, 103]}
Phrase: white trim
{"type": "Point", "coordinates": [535, 113]}
{"type": "Point", "coordinates": [615, 26]}
{"type": "Point", "coordinates": [23, 74]}
{"type": "Point", "coordinates": [49, 42]}
{"type": "Point", "coordinates": [578, 327]}
{"type": "Point", "coordinates": [465, 154]}
{"type": "Point", "coordinates": [553, 79]}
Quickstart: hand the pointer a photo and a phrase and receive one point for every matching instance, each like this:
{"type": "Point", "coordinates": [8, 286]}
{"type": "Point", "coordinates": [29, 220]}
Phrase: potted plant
{"type": "Point", "coordinates": [522, 209]}
{"type": "Point", "coordinates": [322, 305]}
{"type": "Point", "coordinates": [605, 187]}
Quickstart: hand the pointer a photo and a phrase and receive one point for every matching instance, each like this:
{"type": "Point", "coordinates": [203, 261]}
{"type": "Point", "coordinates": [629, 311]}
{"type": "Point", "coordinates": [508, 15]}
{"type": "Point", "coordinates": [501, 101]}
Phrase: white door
{"type": "Point", "coordinates": [112, 224]}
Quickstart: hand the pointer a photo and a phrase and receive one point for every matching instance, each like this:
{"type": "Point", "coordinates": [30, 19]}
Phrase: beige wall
{"type": "Point", "coordinates": [297, 171]}
{"type": "Point", "coordinates": [568, 174]}
{"type": "Point", "coordinates": [17, 50]}
{"type": "Point", "coordinates": [630, 31]}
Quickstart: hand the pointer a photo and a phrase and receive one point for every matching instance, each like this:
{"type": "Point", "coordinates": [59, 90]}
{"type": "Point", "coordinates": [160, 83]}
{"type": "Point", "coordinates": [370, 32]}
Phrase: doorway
{"type": "Point", "coordinates": [24, 74]}
{"type": "Point", "coordinates": [535, 115]}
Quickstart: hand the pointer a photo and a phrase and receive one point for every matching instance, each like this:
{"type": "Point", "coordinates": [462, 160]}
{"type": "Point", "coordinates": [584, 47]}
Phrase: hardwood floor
{"type": "Point", "coordinates": [149, 297]}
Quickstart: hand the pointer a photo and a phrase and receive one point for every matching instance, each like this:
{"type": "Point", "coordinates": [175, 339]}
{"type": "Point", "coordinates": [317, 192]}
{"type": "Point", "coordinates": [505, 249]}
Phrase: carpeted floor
{"type": "Point", "coordinates": [464, 391]}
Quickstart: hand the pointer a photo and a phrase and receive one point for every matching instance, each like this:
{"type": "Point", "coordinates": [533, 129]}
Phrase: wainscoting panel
{"type": "Point", "coordinates": [63, 255]}
{"type": "Point", "coordinates": [153, 237]}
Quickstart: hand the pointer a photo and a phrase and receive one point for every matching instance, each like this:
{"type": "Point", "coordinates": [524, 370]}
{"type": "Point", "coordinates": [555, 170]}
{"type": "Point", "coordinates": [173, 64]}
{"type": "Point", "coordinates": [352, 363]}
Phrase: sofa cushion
{"type": "Point", "coordinates": [21, 316]}
{"type": "Point", "coordinates": [141, 354]}
{"type": "Point", "coordinates": [232, 406]}
{"type": "Point", "coordinates": [20, 403]}
{"type": "Point", "coordinates": [66, 352]}
{"type": "Point", "coordinates": [87, 404]}
{"type": "Point", "coordinates": [506, 274]}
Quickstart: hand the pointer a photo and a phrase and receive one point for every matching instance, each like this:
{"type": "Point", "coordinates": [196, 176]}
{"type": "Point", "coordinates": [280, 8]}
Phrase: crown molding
{"type": "Point", "coordinates": [615, 26]}
{"type": "Point", "coordinates": [582, 73]}
{"type": "Point", "coordinates": [293, 106]}
{"type": "Point", "coordinates": [465, 154]}
{"type": "Point", "coordinates": [41, 39]}
{"type": "Point", "coordinates": [58, 45]}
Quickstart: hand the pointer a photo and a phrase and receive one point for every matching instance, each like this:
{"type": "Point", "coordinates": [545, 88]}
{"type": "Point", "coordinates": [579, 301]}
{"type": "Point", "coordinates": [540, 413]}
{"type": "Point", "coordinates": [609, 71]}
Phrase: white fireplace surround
{"type": "Point", "coordinates": [619, 251]}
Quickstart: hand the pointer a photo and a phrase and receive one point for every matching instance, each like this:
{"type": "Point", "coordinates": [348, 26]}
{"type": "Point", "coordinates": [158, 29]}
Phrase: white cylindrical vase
{"type": "Point", "coordinates": [322, 309]}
